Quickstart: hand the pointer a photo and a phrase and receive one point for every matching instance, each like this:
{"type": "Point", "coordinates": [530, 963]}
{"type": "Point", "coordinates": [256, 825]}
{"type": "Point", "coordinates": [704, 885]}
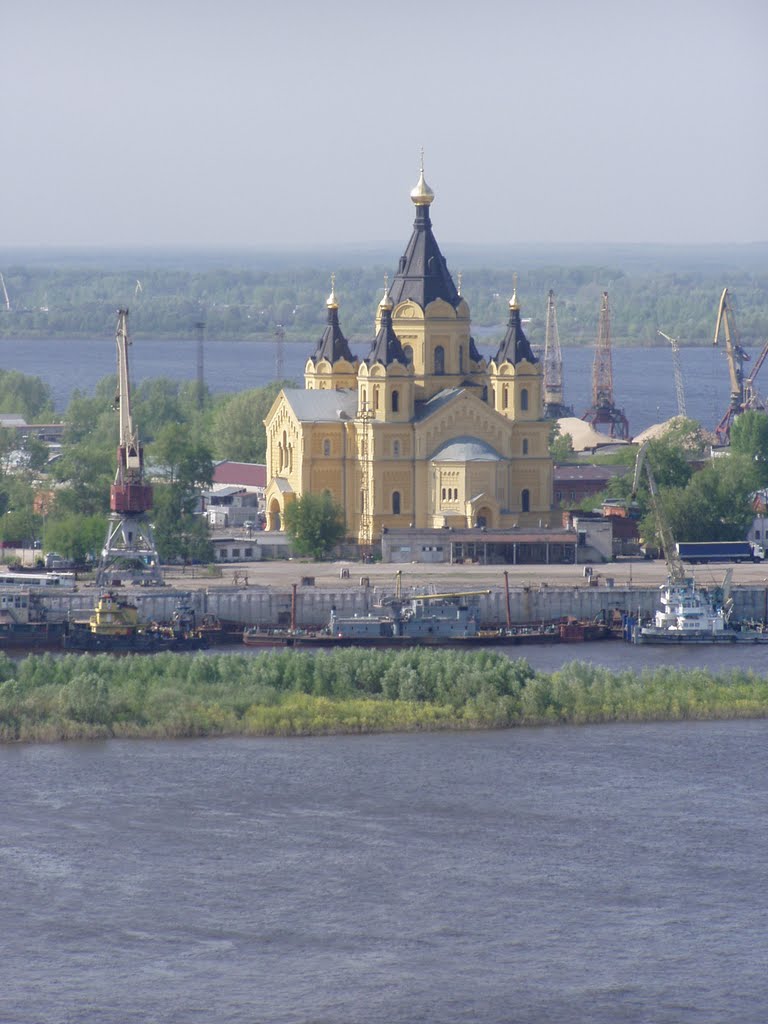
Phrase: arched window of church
{"type": "Point", "coordinates": [326, 447]}
{"type": "Point", "coordinates": [376, 399]}
{"type": "Point", "coordinates": [524, 399]}
{"type": "Point", "coordinates": [395, 401]}
{"type": "Point", "coordinates": [408, 352]}
{"type": "Point", "coordinates": [395, 448]}
{"type": "Point", "coordinates": [439, 360]}
{"type": "Point", "coordinates": [461, 359]}
{"type": "Point", "coordinates": [284, 451]}
{"type": "Point", "coordinates": [505, 396]}
{"type": "Point", "coordinates": [525, 500]}
{"type": "Point", "coordinates": [364, 399]}
{"type": "Point", "coordinates": [525, 446]}
{"type": "Point", "coordinates": [443, 494]}
{"type": "Point", "coordinates": [395, 503]}
{"type": "Point", "coordinates": [455, 493]}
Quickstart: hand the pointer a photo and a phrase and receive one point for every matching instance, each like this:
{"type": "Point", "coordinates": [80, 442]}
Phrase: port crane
{"type": "Point", "coordinates": [675, 568]}
{"type": "Point", "coordinates": [679, 389]}
{"type": "Point", "coordinates": [741, 398]}
{"type": "Point", "coordinates": [6, 300]}
{"type": "Point", "coordinates": [603, 411]}
{"type": "Point", "coordinates": [129, 551]}
{"type": "Point", "coordinates": [554, 407]}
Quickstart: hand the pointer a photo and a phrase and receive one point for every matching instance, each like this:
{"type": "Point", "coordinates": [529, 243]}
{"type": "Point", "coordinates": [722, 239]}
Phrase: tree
{"type": "Point", "coordinates": [315, 524]}
{"type": "Point", "coordinates": [183, 463]}
{"type": "Point", "coordinates": [560, 445]}
{"type": "Point", "coordinates": [749, 437]}
{"type": "Point", "coordinates": [76, 537]}
{"type": "Point", "coordinates": [238, 424]}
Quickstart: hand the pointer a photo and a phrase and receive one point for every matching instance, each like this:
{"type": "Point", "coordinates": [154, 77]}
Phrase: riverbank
{"type": "Point", "coordinates": [290, 693]}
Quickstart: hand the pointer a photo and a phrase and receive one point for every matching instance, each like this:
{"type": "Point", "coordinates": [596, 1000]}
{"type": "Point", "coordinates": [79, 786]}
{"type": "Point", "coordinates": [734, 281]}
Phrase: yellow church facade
{"type": "Point", "coordinates": [423, 431]}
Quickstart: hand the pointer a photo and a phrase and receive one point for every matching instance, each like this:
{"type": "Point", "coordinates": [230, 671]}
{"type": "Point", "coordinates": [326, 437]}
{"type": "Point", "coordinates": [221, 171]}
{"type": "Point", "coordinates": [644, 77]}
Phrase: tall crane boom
{"type": "Point", "coordinates": [736, 357]}
{"type": "Point", "coordinates": [129, 493]}
{"type": "Point", "coordinates": [675, 567]}
{"type": "Point", "coordinates": [554, 405]}
{"type": "Point", "coordinates": [6, 300]}
{"type": "Point", "coordinates": [603, 412]}
{"type": "Point", "coordinates": [129, 550]}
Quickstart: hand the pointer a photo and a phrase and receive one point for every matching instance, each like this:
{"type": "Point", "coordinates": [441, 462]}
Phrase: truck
{"type": "Point", "coordinates": [720, 551]}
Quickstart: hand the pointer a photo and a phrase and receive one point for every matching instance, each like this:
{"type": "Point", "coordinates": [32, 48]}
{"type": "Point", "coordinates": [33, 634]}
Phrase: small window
{"type": "Point", "coordinates": [396, 503]}
{"type": "Point", "coordinates": [439, 360]}
{"type": "Point", "coordinates": [326, 447]}
{"type": "Point", "coordinates": [408, 352]}
{"type": "Point", "coordinates": [395, 401]}
{"type": "Point", "coordinates": [526, 500]}
{"type": "Point", "coordinates": [505, 397]}
{"type": "Point", "coordinates": [558, 495]}
{"type": "Point", "coordinates": [525, 446]}
{"type": "Point", "coordinates": [396, 448]}
{"type": "Point", "coordinates": [443, 494]}
{"type": "Point", "coordinates": [376, 399]}
{"type": "Point", "coordinates": [524, 399]}
{"type": "Point", "coordinates": [235, 552]}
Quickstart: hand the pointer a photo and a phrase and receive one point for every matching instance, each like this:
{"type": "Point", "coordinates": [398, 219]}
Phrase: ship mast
{"type": "Point", "coordinates": [129, 552]}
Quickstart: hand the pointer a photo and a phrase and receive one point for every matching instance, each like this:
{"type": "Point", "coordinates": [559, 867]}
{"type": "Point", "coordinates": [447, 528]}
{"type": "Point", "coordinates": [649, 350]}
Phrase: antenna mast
{"type": "Point", "coordinates": [129, 551]}
{"type": "Point", "coordinates": [679, 389]}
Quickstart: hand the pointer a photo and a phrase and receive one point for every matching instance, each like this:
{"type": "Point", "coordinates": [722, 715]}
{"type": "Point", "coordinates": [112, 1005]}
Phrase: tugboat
{"type": "Point", "coordinates": [688, 616]}
{"type": "Point", "coordinates": [114, 626]}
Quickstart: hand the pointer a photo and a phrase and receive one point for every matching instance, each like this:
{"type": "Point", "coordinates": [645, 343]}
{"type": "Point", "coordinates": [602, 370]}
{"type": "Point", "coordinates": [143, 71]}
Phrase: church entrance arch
{"type": "Point", "coordinates": [274, 515]}
{"type": "Point", "coordinates": [483, 516]}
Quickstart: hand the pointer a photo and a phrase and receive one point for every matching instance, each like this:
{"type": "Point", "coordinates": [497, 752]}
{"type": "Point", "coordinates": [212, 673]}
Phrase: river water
{"type": "Point", "coordinates": [643, 378]}
{"type": "Point", "coordinates": [596, 874]}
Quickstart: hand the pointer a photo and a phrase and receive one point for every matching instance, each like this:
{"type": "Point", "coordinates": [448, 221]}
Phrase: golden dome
{"type": "Point", "coordinates": [386, 300]}
{"type": "Point", "coordinates": [332, 302]}
{"type": "Point", "coordinates": [422, 194]}
{"type": "Point", "coordinates": [513, 303]}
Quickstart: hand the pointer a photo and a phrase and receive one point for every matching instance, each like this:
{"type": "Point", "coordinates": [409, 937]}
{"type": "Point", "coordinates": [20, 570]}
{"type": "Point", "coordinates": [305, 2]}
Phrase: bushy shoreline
{"type": "Point", "coordinates": [295, 693]}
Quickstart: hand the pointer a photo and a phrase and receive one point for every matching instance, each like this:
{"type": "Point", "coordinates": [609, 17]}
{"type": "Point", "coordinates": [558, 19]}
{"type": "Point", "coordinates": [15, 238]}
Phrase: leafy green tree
{"type": "Point", "coordinates": [183, 464]}
{"type": "Point", "coordinates": [749, 437]}
{"type": "Point", "coordinates": [315, 524]}
{"type": "Point", "coordinates": [25, 395]}
{"type": "Point", "coordinates": [560, 445]}
{"type": "Point", "coordinates": [76, 537]}
{"type": "Point", "coordinates": [715, 505]}
{"type": "Point", "coordinates": [238, 424]}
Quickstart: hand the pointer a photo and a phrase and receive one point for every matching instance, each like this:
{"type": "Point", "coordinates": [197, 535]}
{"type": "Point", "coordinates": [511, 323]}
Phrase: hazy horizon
{"type": "Point", "coordinates": [180, 125]}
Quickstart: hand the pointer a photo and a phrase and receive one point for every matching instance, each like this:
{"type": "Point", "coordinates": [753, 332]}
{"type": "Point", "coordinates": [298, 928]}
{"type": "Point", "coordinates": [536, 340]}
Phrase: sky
{"type": "Point", "coordinates": [300, 123]}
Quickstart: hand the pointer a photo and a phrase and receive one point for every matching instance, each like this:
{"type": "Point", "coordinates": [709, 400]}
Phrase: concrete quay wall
{"type": "Point", "coordinates": [271, 606]}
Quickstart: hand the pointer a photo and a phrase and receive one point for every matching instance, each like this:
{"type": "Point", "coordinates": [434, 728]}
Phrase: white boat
{"type": "Point", "coordinates": [688, 616]}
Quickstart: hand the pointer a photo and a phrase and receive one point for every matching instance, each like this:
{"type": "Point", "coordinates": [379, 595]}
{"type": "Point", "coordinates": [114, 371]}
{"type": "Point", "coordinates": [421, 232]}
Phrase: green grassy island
{"type": "Point", "coordinates": [289, 693]}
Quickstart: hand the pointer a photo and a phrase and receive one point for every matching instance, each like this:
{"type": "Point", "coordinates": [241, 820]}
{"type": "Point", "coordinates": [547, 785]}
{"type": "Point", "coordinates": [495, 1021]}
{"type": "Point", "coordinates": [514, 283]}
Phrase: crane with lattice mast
{"type": "Point", "coordinates": [677, 366]}
{"type": "Point", "coordinates": [603, 412]}
{"type": "Point", "coordinates": [554, 405]}
{"type": "Point", "coordinates": [129, 552]}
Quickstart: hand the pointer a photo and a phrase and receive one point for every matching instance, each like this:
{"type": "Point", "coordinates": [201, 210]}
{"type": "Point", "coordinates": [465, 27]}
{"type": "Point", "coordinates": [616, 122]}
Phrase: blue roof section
{"type": "Point", "coordinates": [322, 406]}
{"type": "Point", "coordinates": [442, 398]}
{"type": "Point", "coordinates": [466, 449]}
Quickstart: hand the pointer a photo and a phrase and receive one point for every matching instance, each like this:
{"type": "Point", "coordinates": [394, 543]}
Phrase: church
{"type": "Point", "coordinates": [423, 432]}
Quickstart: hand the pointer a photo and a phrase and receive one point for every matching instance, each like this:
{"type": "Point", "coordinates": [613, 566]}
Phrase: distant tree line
{"type": "Point", "coordinates": [252, 304]}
